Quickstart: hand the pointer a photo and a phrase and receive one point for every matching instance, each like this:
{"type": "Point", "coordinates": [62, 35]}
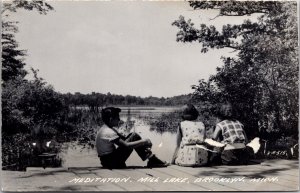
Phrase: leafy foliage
{"type": "Point", "coordinates": [12, 57]}
{"type": "Point", "coordinates": [165, 122]}
{"type": "Point", "coordinates": [31, 112]}
{"type": "Point", "coordinates": [28, 104]}
{"type": "Point", "coordinates": [39, 5]}
{"type": "Point", "coordinates": [262, 81]}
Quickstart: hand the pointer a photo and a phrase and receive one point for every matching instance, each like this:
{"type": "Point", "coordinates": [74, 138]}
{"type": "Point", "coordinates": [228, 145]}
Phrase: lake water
{"type": "Point", "coordinates": [163, 144]}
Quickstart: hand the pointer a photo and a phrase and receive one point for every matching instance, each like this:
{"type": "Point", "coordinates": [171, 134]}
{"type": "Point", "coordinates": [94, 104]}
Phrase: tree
{"type": "Point", "coordinates": [262, 81]}
{"type": "Point", "coordinates": [12, 56]}
{"type": "Point", "coordinates": [29, 108]}
{"type": "Point", "coordinates": [14, 107]}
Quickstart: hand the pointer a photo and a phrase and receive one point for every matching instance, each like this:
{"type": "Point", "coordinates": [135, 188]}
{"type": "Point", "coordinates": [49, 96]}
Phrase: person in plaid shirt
{"type": "Point", "coordinates": [231, 132]}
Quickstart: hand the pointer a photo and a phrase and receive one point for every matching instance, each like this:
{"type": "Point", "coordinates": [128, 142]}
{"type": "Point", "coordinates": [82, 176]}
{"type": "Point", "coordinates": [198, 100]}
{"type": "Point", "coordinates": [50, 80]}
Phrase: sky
{"type": "Point", "coordinates": [126, 48]}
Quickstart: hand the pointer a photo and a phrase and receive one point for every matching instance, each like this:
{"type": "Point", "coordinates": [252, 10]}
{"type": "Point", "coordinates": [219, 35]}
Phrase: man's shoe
{"type": "Point", "coordinates": [154, 162]}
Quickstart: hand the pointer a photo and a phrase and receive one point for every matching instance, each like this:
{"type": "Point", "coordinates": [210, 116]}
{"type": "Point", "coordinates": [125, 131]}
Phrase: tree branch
{"type": "Point", "coordinates": [244, 14]}
{"type": "Point", "coordinates": [215, 17]}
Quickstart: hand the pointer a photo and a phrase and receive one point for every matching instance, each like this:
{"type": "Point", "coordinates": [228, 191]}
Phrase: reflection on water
{"type": "Point", "coordinates": [163, 143]}
{"type": "Point", "coordinates": [147, 111]}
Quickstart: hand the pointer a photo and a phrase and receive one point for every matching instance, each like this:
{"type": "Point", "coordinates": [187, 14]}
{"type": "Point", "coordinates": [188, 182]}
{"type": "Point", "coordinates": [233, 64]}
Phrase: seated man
{"type": "Point", "coordinates": [108, 137]}
{"type": "Point", "coordinates": [231, 132]}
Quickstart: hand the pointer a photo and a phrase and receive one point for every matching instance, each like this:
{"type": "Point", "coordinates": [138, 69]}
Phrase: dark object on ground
{"type": "Point", "coordinates": [237, 156]}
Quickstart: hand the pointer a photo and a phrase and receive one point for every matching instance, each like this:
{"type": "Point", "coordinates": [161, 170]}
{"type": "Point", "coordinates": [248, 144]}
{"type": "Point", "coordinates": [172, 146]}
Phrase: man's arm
{"type": "Point", "coordinates": [246, 138]}
{"type": "Point", "coordinates": [216, 134]}
{"type": "Point", "coordinates": [133, 144]}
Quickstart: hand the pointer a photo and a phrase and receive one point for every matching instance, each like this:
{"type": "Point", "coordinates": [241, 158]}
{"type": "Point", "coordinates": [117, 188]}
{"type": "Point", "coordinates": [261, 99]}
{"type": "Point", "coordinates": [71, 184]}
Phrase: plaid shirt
{"type": "Point", "coordinates": [232, 131]}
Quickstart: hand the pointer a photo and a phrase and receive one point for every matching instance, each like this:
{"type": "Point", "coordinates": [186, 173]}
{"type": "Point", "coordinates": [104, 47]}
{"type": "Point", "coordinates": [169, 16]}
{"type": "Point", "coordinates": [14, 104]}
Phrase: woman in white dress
{"type": "Point", "coordinates": [190, 136]}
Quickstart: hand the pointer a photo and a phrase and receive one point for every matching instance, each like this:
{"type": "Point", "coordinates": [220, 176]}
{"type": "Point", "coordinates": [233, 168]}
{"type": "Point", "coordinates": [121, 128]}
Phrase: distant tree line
{"type": "Point", "coordinates": [95, 100]}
